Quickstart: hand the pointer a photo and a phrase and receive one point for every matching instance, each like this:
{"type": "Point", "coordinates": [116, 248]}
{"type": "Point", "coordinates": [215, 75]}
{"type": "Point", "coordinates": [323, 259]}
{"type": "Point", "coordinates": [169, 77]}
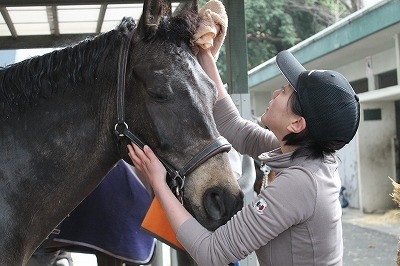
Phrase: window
{"type": "Point", "coordinates": [360, 85]}
{"type": "Point", "coordinates": [387, 79]}
{"type": "Point", "coordinates": [372, 114]}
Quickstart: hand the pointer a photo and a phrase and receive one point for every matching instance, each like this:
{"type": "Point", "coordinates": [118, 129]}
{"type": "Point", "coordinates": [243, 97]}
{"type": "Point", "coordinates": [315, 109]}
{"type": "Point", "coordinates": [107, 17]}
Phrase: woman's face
{"type": "Point", "coordinates": [278, 114]}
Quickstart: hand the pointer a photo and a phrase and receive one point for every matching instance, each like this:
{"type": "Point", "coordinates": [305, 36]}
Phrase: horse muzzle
{"type": "Point", "coordinates": [220, 205]}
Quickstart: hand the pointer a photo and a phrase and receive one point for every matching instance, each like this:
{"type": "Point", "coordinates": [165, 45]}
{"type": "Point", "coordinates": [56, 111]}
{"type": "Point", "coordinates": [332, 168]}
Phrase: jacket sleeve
{"type": "Point", "coordinates": [288, 200]}
{"type": "Point", "coordinates": [245, 136]}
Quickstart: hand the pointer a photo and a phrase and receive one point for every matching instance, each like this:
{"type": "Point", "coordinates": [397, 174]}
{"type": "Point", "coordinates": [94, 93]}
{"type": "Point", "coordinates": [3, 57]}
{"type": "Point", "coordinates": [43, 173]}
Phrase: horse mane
{"type": "Point", "coordinates": [23, 83]}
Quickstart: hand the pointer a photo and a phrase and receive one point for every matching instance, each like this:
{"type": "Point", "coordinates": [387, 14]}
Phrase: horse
{"type": "Point", "coordinates": [68, 115]}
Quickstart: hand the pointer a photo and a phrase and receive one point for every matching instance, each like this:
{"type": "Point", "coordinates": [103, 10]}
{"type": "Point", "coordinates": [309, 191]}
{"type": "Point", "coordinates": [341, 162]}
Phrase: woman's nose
{"type": "Point", "coordinates": [275, 93]}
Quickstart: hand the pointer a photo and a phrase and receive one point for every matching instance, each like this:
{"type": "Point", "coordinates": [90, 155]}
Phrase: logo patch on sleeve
{"type": "Point", "coordinates": [260, 206]}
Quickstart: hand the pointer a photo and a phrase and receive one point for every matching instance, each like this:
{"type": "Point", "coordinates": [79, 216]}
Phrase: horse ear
{"type": "Point", "coordinates": [192, 6]}
{"type": "Point", "coordinates": [153, 11]}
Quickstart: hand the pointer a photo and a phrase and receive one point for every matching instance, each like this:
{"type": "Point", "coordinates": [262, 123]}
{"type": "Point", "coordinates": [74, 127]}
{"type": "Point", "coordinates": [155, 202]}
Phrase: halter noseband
{"type": "Point", "coordinates": [122, 130]}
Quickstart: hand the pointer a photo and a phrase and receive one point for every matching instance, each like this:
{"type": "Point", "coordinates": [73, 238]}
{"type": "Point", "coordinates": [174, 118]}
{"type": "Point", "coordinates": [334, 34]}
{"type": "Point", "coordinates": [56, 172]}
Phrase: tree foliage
{"type": "Point", "coordinates": [273, 26]}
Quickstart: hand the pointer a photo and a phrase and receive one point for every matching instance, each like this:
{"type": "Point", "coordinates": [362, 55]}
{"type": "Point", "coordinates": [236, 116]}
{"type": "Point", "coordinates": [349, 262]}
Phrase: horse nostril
{"type": "Point", "coordinates": [214, 205]}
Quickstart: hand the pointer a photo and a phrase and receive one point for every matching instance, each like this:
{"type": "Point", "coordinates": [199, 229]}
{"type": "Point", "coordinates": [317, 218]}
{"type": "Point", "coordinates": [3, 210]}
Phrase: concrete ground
{"type": "Point", "coordinates": [370, 239]}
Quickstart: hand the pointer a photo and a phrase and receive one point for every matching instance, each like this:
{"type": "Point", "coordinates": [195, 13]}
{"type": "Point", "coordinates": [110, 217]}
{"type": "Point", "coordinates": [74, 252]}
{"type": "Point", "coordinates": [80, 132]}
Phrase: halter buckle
{"type": "Point", "coordinates": [176, 185]}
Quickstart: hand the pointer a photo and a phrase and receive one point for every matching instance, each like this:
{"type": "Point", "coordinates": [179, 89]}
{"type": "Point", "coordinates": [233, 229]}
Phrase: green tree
{"type": "Point", "coordinates": [269, 29]}
{"type": "Point", "coordinates": [273, 26]}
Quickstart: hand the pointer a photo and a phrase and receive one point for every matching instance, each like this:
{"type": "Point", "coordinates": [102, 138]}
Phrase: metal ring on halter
{"type": "Point", "coordinates": [177, 174]}
{"type": "Point", "coordinates": [178, 194]}
{"type": "Point", "coordinates": [116, 130]}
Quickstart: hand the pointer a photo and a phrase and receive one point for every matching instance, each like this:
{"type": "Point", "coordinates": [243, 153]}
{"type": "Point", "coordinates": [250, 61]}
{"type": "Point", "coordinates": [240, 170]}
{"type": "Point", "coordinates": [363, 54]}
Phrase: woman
{"type": "Point", "coordinates": [296, 219]}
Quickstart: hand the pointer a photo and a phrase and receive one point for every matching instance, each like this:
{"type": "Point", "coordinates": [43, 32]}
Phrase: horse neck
{"type": "Point", "coordinates": [90, 92]}
{"type": "Point", "coordinates": [85, 70]}
{"type": "Point", "coordinates": [69, 111]}
{"type": "Point", "coordinates": [62, 136]}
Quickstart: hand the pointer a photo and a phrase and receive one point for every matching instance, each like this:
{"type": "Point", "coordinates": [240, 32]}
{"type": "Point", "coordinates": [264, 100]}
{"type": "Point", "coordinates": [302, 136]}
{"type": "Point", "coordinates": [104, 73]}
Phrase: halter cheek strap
{"type": "Point", "coordinates": [121, 129]}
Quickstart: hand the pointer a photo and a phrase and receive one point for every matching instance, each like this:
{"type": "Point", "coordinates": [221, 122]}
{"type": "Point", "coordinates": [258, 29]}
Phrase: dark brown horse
{"type": "Point", "coordinates": [59, 111]}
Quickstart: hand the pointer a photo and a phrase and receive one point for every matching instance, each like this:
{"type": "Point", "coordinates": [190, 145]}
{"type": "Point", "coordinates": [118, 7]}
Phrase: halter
{"type": "Point", "coordinates": [122, 130]}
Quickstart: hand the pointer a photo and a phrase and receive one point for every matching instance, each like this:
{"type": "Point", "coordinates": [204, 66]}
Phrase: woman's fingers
{"type": "Point", "coordinates": [135, 159]}
{"type": "Point", "coordinates": [142, 158]}
{"type": "Point", "coordinates": [149, 153]}
{"type": "Point", "coordinates": [146, 161]}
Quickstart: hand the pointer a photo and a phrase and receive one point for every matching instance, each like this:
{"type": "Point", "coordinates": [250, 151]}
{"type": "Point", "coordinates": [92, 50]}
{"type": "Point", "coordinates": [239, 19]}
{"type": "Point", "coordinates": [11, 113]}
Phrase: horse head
{"type": "Point", "coordinates": [170, 107]}
{"type": "Point", "coordinates": [59, 110]}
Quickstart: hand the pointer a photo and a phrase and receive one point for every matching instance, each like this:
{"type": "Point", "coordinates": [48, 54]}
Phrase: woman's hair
{"type": "Point", "coordinates": [307, 145]}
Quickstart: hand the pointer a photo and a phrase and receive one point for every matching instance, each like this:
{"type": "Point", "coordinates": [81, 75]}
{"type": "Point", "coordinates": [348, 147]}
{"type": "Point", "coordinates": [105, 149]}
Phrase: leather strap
{"type": "Point", "coordinates": [122, 130]}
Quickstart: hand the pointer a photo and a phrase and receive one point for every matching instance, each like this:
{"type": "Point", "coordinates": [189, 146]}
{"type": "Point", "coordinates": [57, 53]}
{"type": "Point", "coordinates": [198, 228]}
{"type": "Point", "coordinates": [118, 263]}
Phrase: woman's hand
{"type": "Point", "coordinates": [147, 162]}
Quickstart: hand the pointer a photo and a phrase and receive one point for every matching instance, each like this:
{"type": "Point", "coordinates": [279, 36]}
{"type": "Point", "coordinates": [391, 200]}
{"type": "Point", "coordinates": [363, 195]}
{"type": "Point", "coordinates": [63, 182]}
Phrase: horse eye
{"type": "Point", "coordinates": [158, 94]}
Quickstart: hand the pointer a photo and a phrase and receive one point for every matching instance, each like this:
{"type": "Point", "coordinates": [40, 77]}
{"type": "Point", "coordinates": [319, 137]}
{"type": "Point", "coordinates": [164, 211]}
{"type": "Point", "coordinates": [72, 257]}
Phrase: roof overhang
{"type": "Point", "coordinates": [50, 23]}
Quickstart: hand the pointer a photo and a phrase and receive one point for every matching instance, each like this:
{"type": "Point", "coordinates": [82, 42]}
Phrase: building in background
{"type": "Point", "coordinates": [365, 48]}
{"type": "Point", "coordinates": [13, 56]}
{"type": "Point", "coordinates": [7, 57]}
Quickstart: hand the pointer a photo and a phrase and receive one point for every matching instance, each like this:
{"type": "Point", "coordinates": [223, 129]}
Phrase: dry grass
{"type": "Point", "coordinates": [396, 192]}
{"type": "Point", "coordinates": [389, 217]}
{"type": "Point", "coordinates": [396, 198]}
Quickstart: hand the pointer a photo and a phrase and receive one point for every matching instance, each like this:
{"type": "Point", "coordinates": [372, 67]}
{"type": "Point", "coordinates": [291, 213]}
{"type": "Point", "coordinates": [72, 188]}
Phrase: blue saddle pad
{"type": "Point", "coordinates": [110, 218]}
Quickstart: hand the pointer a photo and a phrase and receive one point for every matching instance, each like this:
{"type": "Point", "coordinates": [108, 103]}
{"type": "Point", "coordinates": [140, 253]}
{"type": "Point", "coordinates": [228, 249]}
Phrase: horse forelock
{"type": "Point", "coordinates": [177, 29]}
{"type": "Point", "coordinates": [23, 83]}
